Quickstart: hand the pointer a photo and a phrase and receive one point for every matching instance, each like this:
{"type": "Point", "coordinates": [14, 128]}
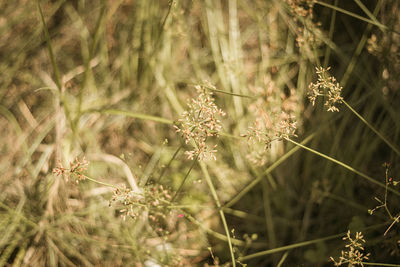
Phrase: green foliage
{"type": "Point", "coordinates": [191, 120]}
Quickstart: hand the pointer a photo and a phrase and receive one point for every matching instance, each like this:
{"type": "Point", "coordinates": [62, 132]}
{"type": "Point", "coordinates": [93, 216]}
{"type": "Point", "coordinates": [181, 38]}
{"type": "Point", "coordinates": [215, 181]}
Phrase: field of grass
{"type": "Point", "coordinates": [199, 133]}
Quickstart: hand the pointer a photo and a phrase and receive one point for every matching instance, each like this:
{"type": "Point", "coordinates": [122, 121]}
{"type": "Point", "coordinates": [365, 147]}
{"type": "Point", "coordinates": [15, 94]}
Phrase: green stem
{"type": "Point", "coordinates": [267, 171]}
{"type": "Point", "coordinates": [331, 28]}
{"type": "Point", "coordinates": [380, 25]}
{"type": "Point", "coordinates": [52, 58]}
{"type": "Point", "coordinates": [131, 114]}
{"type": "Point", "coordinates": [169, 163]}
{"type": "Point", "coordinates": [228, 93]}
{"type": "Point", "coordinates": [99, 182]}
{"type": "Point", "coordinates": [380, 264]}
{"type": "Point", "coordinates": [283, 259]}
{"type": "Point", "coordinates": [373, 129]}
{"type": "Point", "coordinates": [57, 76]}
{"type": "Point", "coordinates": [343, 165]}
{"type": "Point", "coordinates": [301, 244]}
{"type": "Point", "coordinates": [215, 234]}
{"type": "Point", "coordinates": [91, 54]}
{"type": "Point", "coordinates": [366, 11]}
{"type": "Point", "coordinates": [268, 215]}
{"type": "Point", "coordinates": [221, 212]}
{"type": "Point", "coordinates": [184, 179]}
{"type": "Point", "coordinates": [288, 247]}
{"type": "Point", "coordinates": [386, 189]}
{"type": "Point", "coordinates": [142, 116]}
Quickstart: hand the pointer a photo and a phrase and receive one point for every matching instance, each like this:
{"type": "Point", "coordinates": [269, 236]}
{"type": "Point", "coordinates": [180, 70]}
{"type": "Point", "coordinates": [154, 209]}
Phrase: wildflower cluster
{"type": "Point", "coordinates": [386, 47]}
{"type": "Point", "coordinates": [302, 8]}
{"type": "Point", "coordinates": [265, 131]}
{"type": "Point", "coordinates": [373, 46]}
{"type": "Point", "coordinates": [354, 255]}
{"type": "Point", "coordinates": [74, 172]}
{"type": "Point", "coordinates": [326, 86]}
{"type": "Point", "coordinates": [200, 122]}
{"type": "Point", "coordinates": [307, 31]}
{"type": "Point", "coordinates": [274, 120]}
{"type": "Point", "coordinates": [154, 200]}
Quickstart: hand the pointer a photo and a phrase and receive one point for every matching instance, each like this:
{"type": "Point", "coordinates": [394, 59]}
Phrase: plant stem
{"type": "Point", "coordinates": [57, 77]}
{"type": "Point", "coordinates": [373, 129]}
{"type": "Point", "coordinates": [184, 179]}
{"type": "Point", "coordinates": [90, 56]}
{"type": "Point", "coordinates": [169, 163]}
{"type": "Point", "coordinates": [221, 212]}
{"type": "Point", "coordinates": [380, 264]}
{"type": "Point", "coordinates": [343, 165]}
{"type": "Point", "coordinates": [49, 47]}
{"type": "Point", "coordinates": [99, 182]}
{"type": "Point", "coordinates": [132, 115]}
{"type": "Point", "coordinates": [380, 25]}
{"type": "Point", "coordinates": [215, 234]}
{"type": "Point", "coordinates": [268, 170]}
{"type": "Point", "coordinates": [301, 244]}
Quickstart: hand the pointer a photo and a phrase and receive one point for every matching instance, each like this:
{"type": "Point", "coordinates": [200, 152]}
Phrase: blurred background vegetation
{"type": "Point", "coordinates": [107, 80]}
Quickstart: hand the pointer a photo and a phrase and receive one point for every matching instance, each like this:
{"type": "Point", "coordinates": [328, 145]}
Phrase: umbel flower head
{"type": "Point", "coordinates": [273, 115]}
{"type": "Point", "coordinates": [154, 199]}
{"type": "Point", "coordinates": [354, 255]}
{"type": "Point", "coordinates": [267, 130]}
{"type": "Point", "coordinates": [199, 122]}
{"type": "Point", "coordinates": [326, 85]}
{"type": "Point", "coordinates": [302, 8]}
{"type": "Point", "coordinates": [74, 172]}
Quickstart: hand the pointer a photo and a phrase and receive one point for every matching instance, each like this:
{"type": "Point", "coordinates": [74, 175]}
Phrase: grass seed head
{"type": "Point", "coordinates": [327, 86]}
{"type": "Point", "coordinates": [74, 172]}
{"type": "Point", "coordinates": [199, 123]}
{"type": "Point", "coordinates": [353, 255]}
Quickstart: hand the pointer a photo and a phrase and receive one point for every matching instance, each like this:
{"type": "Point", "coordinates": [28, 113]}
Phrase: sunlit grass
{"type": "Point", "coordinates": [201, 145]}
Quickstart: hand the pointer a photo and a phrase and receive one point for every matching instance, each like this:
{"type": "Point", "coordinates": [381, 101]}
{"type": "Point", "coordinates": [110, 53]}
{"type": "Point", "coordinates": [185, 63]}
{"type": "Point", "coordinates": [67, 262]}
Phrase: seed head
{"type": "Point", "coordinates": [353, 255]}
{"type": "Point", "coordinates": [199, 123]}
{"type": "Point", "coordinates": [326, 85]}
{"type": "Point", "coordinates": [75, 170]}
